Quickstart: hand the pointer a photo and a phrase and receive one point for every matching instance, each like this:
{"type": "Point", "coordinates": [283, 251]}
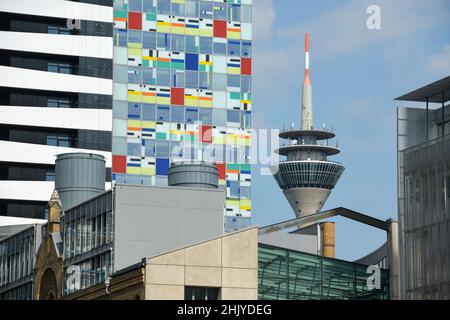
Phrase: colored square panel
{"type": "Point", "coordinates": [119, 164]}
{"type": "Point", "coordinates": [206, 134]}
{"type": "Point", "coordinates": [191, 61]}
{"type": "Point", "coordinates": [221, 170]}
{"type": "Point", "coordinates": [162, 167]}
{"type": "Point", "coordinates": [246, 66]}
{"type": "Point", "coordinates": [220, 29]}
{"type": "Point", "coordinates": [135, 20]}
{"type": "Point", "coordinates": [177, 96]}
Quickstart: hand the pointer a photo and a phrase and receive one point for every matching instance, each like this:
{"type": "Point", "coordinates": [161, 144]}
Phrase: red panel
{"type": "Point", "coordinates": [119, 164]}
{"type": "Point", "coordinates": [221, 169]}
{"type": "Point", "coordinates": [135, 20]}
{"type": "Point", "coordinates": [220, 29]}
{"type": "Point", "coordinates": [246, 66]}
{"type": "Point", "coordinates": [206, 134]}
{"type": "Point", "coordinates": [177, 96]}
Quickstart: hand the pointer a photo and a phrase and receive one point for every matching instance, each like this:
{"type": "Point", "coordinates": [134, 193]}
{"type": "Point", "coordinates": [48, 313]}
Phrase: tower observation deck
{"type": "Point", "coordinates": [306, 176]}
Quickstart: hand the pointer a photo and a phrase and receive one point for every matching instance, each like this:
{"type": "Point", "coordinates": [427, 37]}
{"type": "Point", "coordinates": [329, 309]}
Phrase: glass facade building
{"type": "Point", "coordinates": [424, 202]}
{"type": "Point", "coordinates": [88, 237]}
{"type": "Point", "coordinates": [17, 263]}
{"type": "Point", "coordinates": [293, 275]}
{"type": "Point", "coordinates": [182, 90]}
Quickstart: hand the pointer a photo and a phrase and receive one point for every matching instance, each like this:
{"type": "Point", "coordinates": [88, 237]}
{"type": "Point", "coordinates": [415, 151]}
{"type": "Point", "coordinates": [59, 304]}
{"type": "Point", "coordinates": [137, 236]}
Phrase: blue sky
{"type": "Point", "coordinates": [356, 73]}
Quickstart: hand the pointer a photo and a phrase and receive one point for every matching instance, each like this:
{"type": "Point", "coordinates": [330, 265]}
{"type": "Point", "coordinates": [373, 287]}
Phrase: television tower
{"type": "Point", "coordinates": [306, 176]}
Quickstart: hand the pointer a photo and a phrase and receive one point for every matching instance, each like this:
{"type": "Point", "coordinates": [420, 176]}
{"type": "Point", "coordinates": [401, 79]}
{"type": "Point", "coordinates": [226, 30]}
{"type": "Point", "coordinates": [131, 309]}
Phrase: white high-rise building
{"type": "Point", "coordinates": [55, 94]}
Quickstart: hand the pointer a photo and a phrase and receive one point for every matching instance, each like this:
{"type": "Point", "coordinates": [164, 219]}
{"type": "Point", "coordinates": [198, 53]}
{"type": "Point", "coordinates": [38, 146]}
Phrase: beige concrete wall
{"type": "Point", "coordinates": [229, 262]}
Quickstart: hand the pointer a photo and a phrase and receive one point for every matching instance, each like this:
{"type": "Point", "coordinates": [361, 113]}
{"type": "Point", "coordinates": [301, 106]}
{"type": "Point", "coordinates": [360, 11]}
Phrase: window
{"type": "Point", "coordinates": [233, 189]}
{"type": "Point", "coordinates": [192, 43]}
{"type": "Point", "coordinates": [246, 84]}
{"type": "Point", "coordinates": [220, 12]}
{"type": "Point", "coordinates": [220, 81]}
{"type": "Point", "coordinates": [234, 48]}
{"type": "Point", "coordinates": [246, 13]}
{"type": "Point", "coordinates": [192, 8]}
{"type": "Point", "coordinates": [134, 36]}
{"type": "Point", "coordinates": [149, 76]}
{"type": "Point", "coordinates": [220, 47]}
{"type": "Point", "coordinates": [191, 115]}
{"type": "Point", "coordinates": [50, 176]}
{"type": "Point", "coordinates": [177, 77]}
{"type": "Point", "coordinates": [134, 149]}
{"type": "Point", "coordinates": [246, 49]}
{"type": "Point", "coordinates": [177, 114]}
{"type": "Point", "coordinates": [148, 112]}
{"type": "Point", "coordinates": [58, 103]}
{"type": "Point", "coordinates": [162, 40]}
{"type": "Point", "coordinates": [149, 146]}
{"type": "Point", "coordinates": [60, 67]}
{"type": "Point", "coordinates": [205, 80]}
{"type": "Point", "coordinates": [59, 140]}
{"type": "Point", "coordinates": [134, 110]}
{"type": "Point", "coordinates": [234, 12]}
{"type": "Point", "coordinates": [234, 81]}
{"type": "Point", "coordinates": [149, 40]}
{"type": "Point", "coordinates": [206, 45]}
{"type": "Point", "coordinates": [205, 116]}
{"type": "Point", "coordinates": [164, 7]}
{"type": "Point", "coordinates": [134, 75]}
{"type": "Point", "coordinates": [199, 293]}
{"type": "Point", "coordinates": [206, 10]}
{"type": "Point", "coordinates": [163, 77]}
{"type": "Point", "coordinates": [135, 5]}
{"type": "Point", "coordinates": [163, 113]}
{"type": "Point", "coordinates": [233, 116]}
{"type": "Point", "coordinates": [177, 42]}
{"type": "Point", "coordinates": [162, 149]}
{"type": "Point", "coordinates": [191, 79]}
{"type": "Point", "coordinates": [177, 9]}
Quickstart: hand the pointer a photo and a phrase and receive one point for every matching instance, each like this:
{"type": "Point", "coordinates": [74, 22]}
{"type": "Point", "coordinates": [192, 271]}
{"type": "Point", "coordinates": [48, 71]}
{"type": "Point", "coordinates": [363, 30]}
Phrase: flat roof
{"type": "Point", "coordinates": [432, 91]}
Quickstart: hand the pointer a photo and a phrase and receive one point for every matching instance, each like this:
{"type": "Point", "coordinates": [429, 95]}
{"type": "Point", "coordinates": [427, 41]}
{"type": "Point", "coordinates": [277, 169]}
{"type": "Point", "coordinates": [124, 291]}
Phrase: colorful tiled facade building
{"type": "Point", "coordinates": [182, 90]}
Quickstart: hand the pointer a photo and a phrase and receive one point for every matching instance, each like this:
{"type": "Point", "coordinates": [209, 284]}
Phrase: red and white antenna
{"type": "Point", "coordinates": [307, 121]}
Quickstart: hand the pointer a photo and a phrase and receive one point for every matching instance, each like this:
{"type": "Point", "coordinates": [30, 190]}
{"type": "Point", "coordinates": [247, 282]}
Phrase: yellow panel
{"type": "Point", "coordinates": [151, 171]}
{"type": "Point", "coordinates": [163, 27]}
{"type": "Point", "coordinates": [163, 100]}
{"type": "Point", "coordinates": [178, 30]}
{"type": "Point", "coordinates": [205, 33]}
{"type": "Point", "coordinates": [134, 52]}
{"type": "Point", "coordinates": [205, 103]}
{"type": "Point", "coordinates": [133, 170]}
{"type": "Point", "coordinates": [134, 97]}
{"type": "Point", "coordinates": [149, 99]}
{"type": "Point", "coordinates": [190, 101]}
{"type": "Point", "coordinates": [148, 124]}
{"type": "Point", "coordinates": [134, 45]}
{"type": "Point", "coordinates": [234, 70]}
{"type": "Point", "coordinates": [134, 123]}
{"type": "Point", "coordinates": [234, 35]}
{"type": "Point", "coordinates": [191, 31]}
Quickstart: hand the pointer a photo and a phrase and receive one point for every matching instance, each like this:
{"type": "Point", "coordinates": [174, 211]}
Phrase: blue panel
{"type": "Point", "coordinates": [162, 167]}
{"type": "Point", "coordinates": [191, 61]}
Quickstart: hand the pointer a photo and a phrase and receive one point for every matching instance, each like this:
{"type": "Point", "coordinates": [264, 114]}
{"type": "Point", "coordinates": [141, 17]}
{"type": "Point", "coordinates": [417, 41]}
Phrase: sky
{"type": "Point", "coordinates": [356, 74]}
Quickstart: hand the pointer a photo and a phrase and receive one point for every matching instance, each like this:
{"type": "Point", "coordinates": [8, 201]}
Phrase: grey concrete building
{"type": "Point", "coordinates": [423, 145]}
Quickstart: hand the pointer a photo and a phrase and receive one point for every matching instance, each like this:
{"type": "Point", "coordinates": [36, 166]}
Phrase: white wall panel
{"type": "Point", "coordinates": [29, 190]}
{"type": "Point", "coordinates": [85, 46]}
{"type": "Point", "coordinates": [59, 9]}
{"type": "Point", "coordinates": [86, 119]}
{"type": "Point", "coordinates": [37, 153]}
{"type": "Point", "coordinates": [42, 80]}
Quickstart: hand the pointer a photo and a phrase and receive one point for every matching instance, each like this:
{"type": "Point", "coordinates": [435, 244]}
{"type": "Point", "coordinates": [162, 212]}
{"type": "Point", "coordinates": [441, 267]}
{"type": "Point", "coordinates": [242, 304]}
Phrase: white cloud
{"type": "Point", "coordinates": [340, 31]}
{"type": "Point", "coordinates": [263, 20]}
{"type": "Point", "coordinates": [439, 63]}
